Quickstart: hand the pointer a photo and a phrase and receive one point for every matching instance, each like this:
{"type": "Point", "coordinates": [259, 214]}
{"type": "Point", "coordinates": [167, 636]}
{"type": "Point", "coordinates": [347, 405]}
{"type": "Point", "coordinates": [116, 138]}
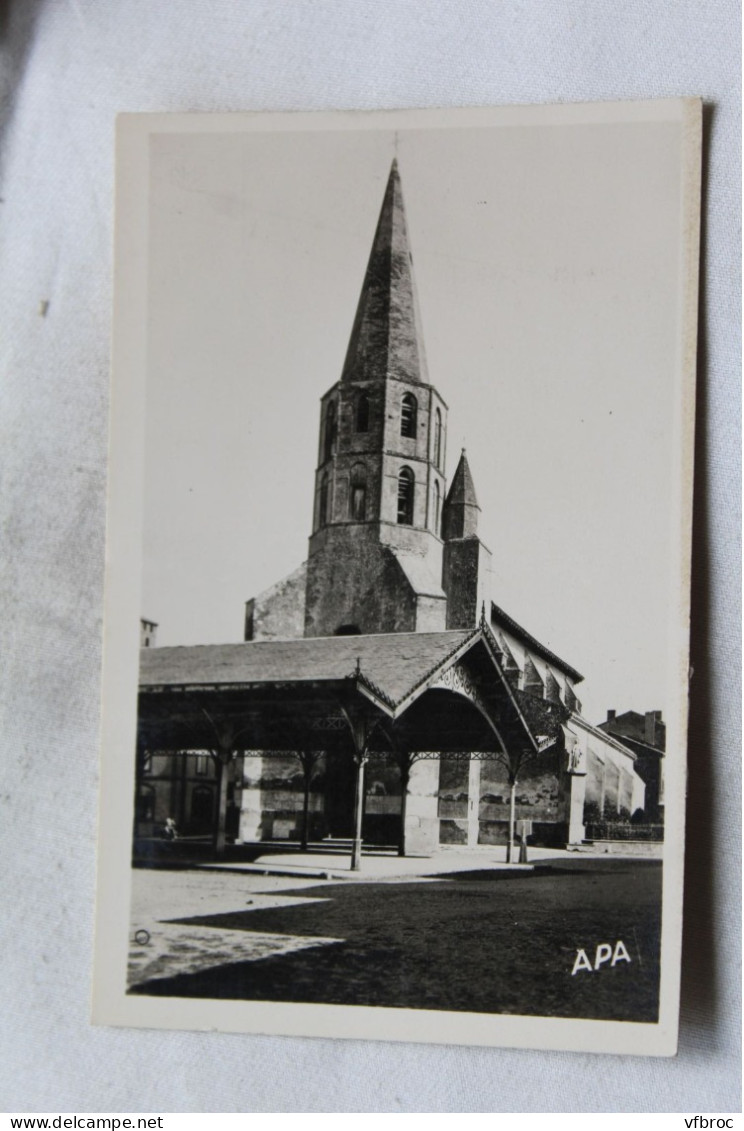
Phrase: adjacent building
{"type": "Point", "coordinates": [645, 735]}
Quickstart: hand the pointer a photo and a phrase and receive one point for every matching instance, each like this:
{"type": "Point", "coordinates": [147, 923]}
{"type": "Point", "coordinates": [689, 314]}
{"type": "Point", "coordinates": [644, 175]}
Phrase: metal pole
{"type": "Point", "coordinates": [356, 848]}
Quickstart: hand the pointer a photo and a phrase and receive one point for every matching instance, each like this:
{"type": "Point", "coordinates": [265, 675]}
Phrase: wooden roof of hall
{"type": "Point", "coordinates": [394, 662]}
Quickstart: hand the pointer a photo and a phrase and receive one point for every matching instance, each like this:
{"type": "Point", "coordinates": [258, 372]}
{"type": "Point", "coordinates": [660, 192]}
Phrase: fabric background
{"type": "Point", "coordinates": [67, 69]}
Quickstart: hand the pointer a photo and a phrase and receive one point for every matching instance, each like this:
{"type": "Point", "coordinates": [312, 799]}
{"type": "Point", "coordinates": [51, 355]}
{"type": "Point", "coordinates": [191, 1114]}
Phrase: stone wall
{"type": "Point", "coordinates": [466, 579]}
{"type": "Point", "coordinates": [279, 612]}
{"type": "Point", "coordinates": [430, 614]}
{"type": "Point", "coordinates": [422, 823]}
{"type": "Point", "coordinates": [352, 580]}
{"type": "Point", "coordinates": [448, 802]}
{"type": "Point", "coordinates": [539, 798]}
{"type": "Point", "coordinates": [272, 799]}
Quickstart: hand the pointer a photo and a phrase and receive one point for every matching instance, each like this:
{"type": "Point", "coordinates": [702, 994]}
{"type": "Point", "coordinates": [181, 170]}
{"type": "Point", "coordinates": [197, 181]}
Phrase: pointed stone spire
{"type": "Point", "coordinates": [460, 511]}
{"type": "Point", "coordinates": [386, 338]}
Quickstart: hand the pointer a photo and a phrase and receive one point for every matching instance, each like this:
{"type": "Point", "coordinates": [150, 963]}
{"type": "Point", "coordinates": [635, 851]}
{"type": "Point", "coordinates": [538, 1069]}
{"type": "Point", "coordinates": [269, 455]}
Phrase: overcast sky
{"type": "Point", "coordinates": [547, 260]}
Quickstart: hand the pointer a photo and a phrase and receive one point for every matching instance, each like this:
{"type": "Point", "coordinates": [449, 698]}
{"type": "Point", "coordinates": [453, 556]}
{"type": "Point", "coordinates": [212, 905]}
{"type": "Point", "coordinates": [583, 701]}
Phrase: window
{"type": "Point", "coordinates": [201, 764]}
{"type": "Point", "coordinates": [323, 509]}
{"type": "Point", "coordinates": [438, 439]}
{"type": "Point", "coordinates": [362, 413]}
{"type": "Point", "coordinates": [408, 408]}
{"type": "Point", "coordinates": [329, 438]}
{"type": "Point", "coordinates": [436, 506]}
{"type": "Point", "coordinates": [405, 496]}
{"type": "Point", "coordinates": [358, 493]}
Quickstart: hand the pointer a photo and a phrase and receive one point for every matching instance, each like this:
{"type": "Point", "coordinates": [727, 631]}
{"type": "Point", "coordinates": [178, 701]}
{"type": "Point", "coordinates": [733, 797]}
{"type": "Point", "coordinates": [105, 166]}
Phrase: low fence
{"type": "Point", "coordinates": [615, 830]}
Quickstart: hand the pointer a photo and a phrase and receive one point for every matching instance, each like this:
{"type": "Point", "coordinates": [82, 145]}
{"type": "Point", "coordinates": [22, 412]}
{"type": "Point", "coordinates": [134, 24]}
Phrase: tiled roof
{"type": "Point", "coordinates": [394, 662]}
{"type": "Point", "coordinates": [462, 488]}
{"type": "Point", "coordinates": [386, 339]}
{"type": "Point", "coordinates": [420, 575]}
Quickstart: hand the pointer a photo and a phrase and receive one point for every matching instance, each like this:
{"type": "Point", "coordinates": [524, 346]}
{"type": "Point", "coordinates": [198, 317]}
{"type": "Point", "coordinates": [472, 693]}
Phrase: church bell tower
{"type": "Point", "coordinates": [375, 555]}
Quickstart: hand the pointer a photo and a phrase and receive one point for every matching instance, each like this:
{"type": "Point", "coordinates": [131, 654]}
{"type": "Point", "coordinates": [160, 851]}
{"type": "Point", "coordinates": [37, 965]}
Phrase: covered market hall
{"type": "Point", "coordinates": [403, 697]}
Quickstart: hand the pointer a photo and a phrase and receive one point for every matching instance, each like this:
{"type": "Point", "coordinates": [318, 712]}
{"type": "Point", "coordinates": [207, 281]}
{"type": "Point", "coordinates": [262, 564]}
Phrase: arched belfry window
{"type": "Point", "coordinates": [329, 435]}
{"type": "Point", "coordinates": [358, 492]}
{"type": "Point", "coordinates": [362, 413]}
{"type": "Point", "coordinates": [438, 439]}
{"type": "Point", "coordinates": [408, 409]}
{"type": "Point", "coordinates": [323, 507]}
{"type": "Point", "coordinates": [406, 484]}
{"type": "Point", "coordinates": [437, 501]}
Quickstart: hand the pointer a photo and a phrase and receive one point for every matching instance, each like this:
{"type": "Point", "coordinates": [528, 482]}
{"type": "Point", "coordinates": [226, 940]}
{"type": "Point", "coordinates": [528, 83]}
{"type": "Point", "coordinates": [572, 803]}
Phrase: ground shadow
{"type": "Point", "coordinates": [477, 946]}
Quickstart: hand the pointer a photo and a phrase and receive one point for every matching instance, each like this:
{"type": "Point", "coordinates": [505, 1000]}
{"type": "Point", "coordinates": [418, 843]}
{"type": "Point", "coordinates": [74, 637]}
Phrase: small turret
{"type": "Point", "coordinates": [461, 510]}
{"type": "Point", "coordinates": [466, 564]}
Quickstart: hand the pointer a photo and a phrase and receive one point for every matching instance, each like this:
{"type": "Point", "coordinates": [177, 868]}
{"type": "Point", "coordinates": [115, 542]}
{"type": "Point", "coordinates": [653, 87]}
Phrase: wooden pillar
{"type": "Point", "coordinates": [405, 761]}
{"type": "Point", "coordinates": [405, 777]}
{"type": "Point", "coordinates": [305, 813]}
{"type": "Point", "coordinates": [361, 724]}
{"type": "Point", "coordinates": [510, 852]}
{"type": "Point", "coordinates": [174, 771]}
{"type": "Point", "coordinates": [139, 774]}
{"type": "Point", "coordinates": [516, 762]}
{"type": "Point", "coordinates": [226, 747]}
{"type": "Point", "coordinates": [308, 760]}
{"type": "Point", "coordinates": [219, 841]}
{"type": "Point", "coordinates": [222, 756]}
{"type": "Point", "coordinates": [356, 847]}
{"type": "Point", "coordinates": [181, 817]}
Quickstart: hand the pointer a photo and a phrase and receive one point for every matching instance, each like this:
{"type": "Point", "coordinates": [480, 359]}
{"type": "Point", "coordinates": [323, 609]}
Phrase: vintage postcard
{"type": "Point", "coordinates": [397, 607]}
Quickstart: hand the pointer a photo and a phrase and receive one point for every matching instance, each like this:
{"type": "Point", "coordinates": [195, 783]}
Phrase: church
{"type": "Point", "coordinates": [470, 723]}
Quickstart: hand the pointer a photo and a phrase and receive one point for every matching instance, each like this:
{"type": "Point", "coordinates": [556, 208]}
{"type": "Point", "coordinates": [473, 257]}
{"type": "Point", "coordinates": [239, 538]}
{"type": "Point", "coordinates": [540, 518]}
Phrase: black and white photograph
{"type": "Point", "coordinates": [397, 607]}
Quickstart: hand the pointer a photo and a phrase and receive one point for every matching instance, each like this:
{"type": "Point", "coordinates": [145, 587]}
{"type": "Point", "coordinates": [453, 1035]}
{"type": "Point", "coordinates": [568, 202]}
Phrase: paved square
{"type": "Point", "coordinates": [482, 940]}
